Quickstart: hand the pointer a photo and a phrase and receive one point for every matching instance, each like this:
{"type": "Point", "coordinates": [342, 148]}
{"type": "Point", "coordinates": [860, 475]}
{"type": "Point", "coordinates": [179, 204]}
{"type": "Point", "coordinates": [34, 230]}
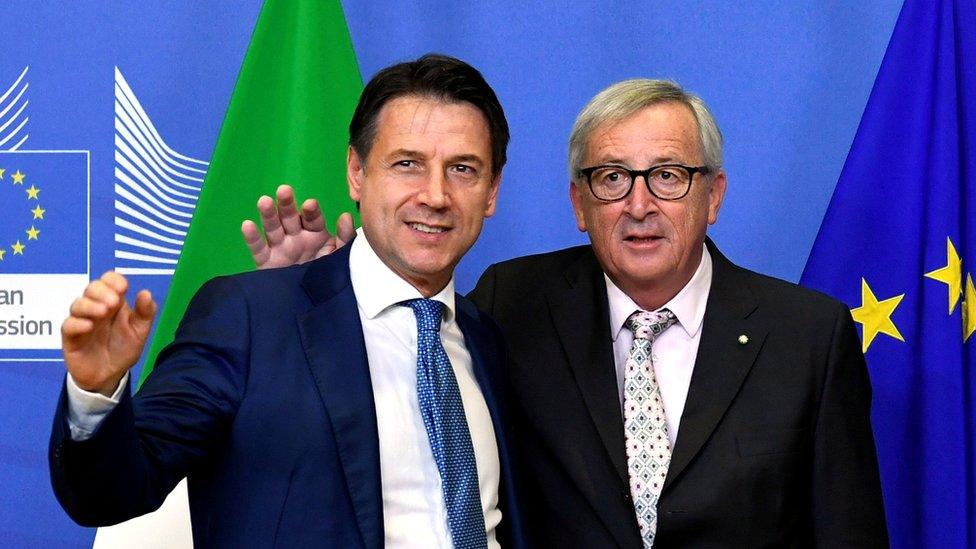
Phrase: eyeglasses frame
{"type": "Point", "coordinates": [692, 170]}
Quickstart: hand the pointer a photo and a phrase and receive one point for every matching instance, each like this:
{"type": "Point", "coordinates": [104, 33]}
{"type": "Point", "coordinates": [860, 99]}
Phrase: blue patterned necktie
{"type": "Point", "coordinates": [447, 429]}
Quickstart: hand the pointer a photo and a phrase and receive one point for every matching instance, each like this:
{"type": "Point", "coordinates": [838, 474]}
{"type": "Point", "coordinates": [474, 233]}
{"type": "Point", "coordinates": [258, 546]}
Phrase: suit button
{"type": "Point", "coordinates": [626, 495]}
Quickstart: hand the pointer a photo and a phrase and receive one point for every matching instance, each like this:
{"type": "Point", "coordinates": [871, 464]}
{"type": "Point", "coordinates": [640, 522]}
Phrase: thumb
{"type": "Point", "coordinates": [142, 314]}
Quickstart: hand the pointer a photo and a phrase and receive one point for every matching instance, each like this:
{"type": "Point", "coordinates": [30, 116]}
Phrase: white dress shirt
{"type": "Point", "coordinates": [674, 351]}
{"type": "Point", "coordinates": [414, 513]}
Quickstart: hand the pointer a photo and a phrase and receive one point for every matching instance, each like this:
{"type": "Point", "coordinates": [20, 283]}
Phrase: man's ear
{"type": "Point", "coordinates": [496, 182]}
{"type": "Point", "coordinates": [355, 173]}
{"type": "Point", "coordinates": [716, 193]}
{"type": "Point", "coordinates": [576, 197]}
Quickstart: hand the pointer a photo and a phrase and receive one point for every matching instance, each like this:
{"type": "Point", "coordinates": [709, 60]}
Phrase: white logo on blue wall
{"type": "Point", "coordinates": [44, 230]}
{"type": "Point", "coordinates": [19, 234]}
{"type": "Point", "coordinates": [156, 190]}
{"type": "Point", "coordinates": [13, 114]}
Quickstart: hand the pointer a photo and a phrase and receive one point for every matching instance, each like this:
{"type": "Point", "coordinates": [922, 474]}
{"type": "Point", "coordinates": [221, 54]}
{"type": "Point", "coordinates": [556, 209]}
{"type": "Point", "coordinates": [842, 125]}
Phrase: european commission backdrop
{"type": "Point", "coordinates": [110, 113]}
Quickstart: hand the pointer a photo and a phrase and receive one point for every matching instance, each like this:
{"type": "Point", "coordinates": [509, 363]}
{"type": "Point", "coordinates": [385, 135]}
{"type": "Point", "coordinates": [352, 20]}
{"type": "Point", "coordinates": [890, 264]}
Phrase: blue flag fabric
{"type": "Point", "coordinates": [44, 226]}
{"type": "Point", "coordinates": [898, 244]}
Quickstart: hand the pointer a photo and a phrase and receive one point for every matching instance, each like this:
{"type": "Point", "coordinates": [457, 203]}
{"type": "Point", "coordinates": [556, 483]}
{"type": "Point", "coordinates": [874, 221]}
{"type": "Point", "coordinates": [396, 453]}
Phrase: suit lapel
{"type": "Point", "coordinates": [483, 347]}
{"type": "Point", "coordinates": [336, 352]}
{"type": "Point", "coordinates": [722, 363]}
{"type": "Point", "coordinates": [480, 345]}
{"type": "Point", "coordinates": [581, 316]}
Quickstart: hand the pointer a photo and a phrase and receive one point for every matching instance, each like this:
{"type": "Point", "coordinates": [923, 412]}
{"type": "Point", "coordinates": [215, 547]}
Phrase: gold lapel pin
{"type": "Point", "coordinates": [743, 339]}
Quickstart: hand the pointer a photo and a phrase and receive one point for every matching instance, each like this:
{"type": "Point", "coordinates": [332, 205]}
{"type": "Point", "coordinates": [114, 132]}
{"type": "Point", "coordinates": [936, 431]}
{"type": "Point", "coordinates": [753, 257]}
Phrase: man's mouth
{"type": "Point", "coordinates": [429, 229]}
{"type": "Point", "coordinates": [641, 239]}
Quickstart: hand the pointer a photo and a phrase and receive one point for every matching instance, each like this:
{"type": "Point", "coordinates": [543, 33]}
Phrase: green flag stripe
{"type": "Point", "coordinates": [287, 122]}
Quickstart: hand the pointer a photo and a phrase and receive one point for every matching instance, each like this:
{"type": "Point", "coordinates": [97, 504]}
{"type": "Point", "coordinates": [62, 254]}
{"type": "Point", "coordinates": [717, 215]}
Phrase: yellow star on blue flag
{"type": "Point", "coordinates": [903, 216]}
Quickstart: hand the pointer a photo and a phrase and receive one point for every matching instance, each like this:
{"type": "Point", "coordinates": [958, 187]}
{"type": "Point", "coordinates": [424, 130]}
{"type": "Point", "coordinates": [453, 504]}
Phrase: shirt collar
{"type": "Point", "coordinates": [378, 288]}
{"type": "Point", "coordinates": [688, 305]}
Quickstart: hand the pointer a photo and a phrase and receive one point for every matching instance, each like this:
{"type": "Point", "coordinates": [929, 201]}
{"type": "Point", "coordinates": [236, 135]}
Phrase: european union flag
{"type": "Point", "coordinates": [43, 212]}
{"type": "Point", "coordinates": [898, 244]}
{"type": "Point", "coordinates": [43, 247]}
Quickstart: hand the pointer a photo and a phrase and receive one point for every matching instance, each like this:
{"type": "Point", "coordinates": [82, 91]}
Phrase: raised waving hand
{"type": "Point", "coordinates": [292, 237]}
{"type": "Point", "coordinates": [103, 336]}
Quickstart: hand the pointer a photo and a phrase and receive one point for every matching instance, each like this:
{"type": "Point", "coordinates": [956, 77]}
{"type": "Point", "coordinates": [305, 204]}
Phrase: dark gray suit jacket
{"type": "Point", "coordinates": [775, 447]}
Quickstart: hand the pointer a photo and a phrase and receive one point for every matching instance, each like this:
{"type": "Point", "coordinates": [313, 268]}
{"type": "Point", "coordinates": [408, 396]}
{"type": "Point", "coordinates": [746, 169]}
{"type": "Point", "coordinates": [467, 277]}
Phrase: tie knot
{"type": "Point", "coordinates": [650, 324]}
{"type": "Point", "coordinates": [428, 313]}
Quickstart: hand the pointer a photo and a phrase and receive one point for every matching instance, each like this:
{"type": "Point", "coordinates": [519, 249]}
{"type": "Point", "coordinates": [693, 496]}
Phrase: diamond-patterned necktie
{"type": "Point", "coordinates": [447, 429]}
{"type": "Point", "coordinates": [645, 428]}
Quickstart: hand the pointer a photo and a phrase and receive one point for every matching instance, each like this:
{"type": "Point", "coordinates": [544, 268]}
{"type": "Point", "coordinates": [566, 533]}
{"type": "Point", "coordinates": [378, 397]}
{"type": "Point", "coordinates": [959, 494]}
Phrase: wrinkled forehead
{"type": "Point", "coordinates": [661, 131]}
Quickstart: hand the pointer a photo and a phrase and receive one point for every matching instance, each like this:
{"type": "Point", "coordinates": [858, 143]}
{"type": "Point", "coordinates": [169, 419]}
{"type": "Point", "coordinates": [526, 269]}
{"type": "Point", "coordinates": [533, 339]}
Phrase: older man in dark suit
{"type": "Point", "coordinates": [664, 396]}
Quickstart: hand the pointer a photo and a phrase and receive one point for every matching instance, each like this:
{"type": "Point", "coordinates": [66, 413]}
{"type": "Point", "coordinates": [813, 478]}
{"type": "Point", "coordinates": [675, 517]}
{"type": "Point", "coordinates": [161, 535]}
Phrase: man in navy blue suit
{"type": "Point", "coordinates": [302, 403]}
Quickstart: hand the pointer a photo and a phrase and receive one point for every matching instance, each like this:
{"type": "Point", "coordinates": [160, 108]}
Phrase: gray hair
{"type": "Point", "coordinates": [625, 98]}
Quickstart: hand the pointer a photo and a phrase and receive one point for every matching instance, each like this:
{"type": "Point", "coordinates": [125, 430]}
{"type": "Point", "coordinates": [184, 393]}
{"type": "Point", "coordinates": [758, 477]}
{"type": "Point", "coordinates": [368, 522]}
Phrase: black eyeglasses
{"type": "Point", "coordinates": [610, 183]}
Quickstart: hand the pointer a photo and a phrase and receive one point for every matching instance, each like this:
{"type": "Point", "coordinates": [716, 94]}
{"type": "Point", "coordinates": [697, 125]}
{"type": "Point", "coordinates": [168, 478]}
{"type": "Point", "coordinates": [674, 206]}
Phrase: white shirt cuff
{"type": "Point", "coordinates": [86, 409]}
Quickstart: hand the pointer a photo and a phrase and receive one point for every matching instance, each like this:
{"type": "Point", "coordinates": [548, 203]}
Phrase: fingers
{"type": "Point", "coordinates": [291, 222]}
{"type": "Point", "coordinates": [74, 326]}
{"type": "Point", "coordinates": [100, 301]}
{"type": "Point", "coordinates": [269, 220]}
{"type": "Point", "coordinates": [312, 219]}
{"type": "Point", "coordinates": [85, 307]}
{"type": "Point", "coordinates": [108, 291]}
{"type": "Point", "coordinates": [260, 251]}
{"type": "Point", "coordinates": [115, 281]}
{"type": "Point", "coordinates": [345, 229]}
{"type": "Point", "coordinates": [142, 314]}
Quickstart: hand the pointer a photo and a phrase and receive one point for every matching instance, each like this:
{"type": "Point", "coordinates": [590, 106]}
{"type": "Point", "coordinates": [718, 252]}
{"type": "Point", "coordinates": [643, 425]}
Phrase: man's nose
{"type": "Point", "coordinates": [434, 192]}
{"type": "Point", "coordinates": [640, 202]}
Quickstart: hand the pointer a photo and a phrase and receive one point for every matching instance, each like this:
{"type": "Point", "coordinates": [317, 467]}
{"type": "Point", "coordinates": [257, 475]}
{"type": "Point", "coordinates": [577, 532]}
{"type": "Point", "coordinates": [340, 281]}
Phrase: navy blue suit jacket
{"type": "Point", "coordinates": [264, 402]}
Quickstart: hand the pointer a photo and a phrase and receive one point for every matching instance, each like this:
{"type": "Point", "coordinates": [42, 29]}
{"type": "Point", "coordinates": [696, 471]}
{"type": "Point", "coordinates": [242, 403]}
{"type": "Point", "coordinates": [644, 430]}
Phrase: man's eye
{"type": "Point", "coordinates": [465, 171]}
{"type": "Point", "coordinates": [405, 163]}
{"type": "Point", "coordinates": [609, 176]}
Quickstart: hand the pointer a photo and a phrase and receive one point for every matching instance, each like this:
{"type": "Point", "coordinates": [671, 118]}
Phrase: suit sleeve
{"type": "Point", "coordinates": [848, 510]}
{"type": "Point", "coordinates": [152, 440]}
{"type": "Point", "coordinates": [483, 294]}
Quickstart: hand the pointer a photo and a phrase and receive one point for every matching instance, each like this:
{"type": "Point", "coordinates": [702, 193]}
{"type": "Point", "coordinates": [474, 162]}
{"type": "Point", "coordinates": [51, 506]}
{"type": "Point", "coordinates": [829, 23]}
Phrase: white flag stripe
{"type": "Point", "coordinates": [121, 238]}
{"type": "Point", "coordinates": [166, 528]}
{"type": "Point", "coordinates": [126, 224]}
{"type": "Point", "coordinates": [126, 209]}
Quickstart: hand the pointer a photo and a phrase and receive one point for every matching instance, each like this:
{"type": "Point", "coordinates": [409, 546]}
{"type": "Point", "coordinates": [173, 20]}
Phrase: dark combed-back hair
{"type": "Point", "coordinates": [437, 77]}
